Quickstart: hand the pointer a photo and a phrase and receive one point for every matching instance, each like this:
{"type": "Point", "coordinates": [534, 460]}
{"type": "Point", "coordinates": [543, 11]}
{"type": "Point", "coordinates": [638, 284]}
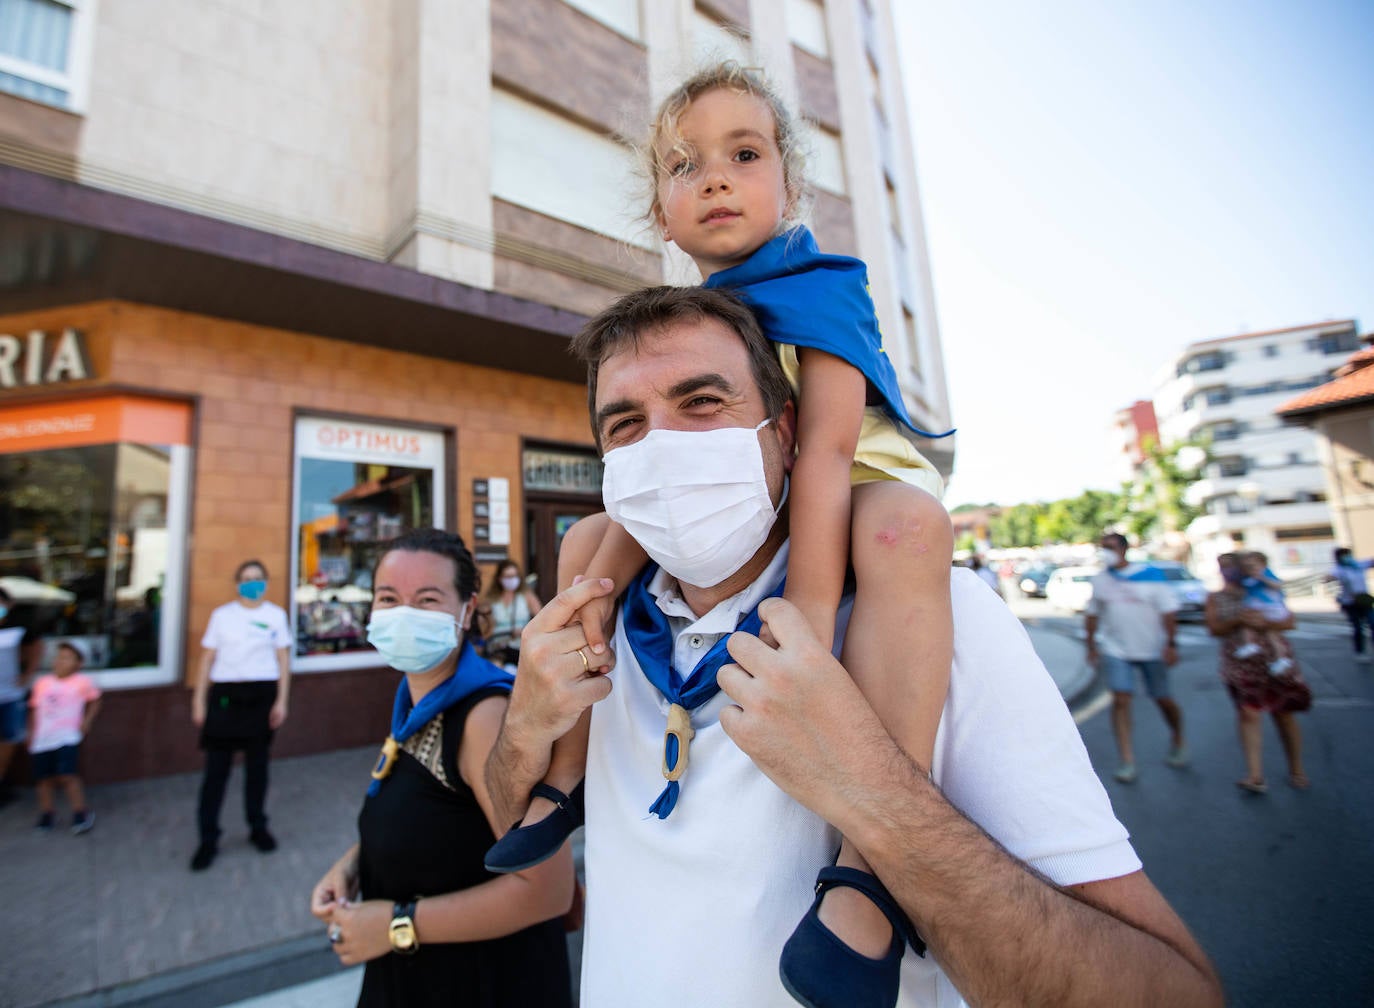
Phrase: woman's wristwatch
{"type": "Point", "coordinates": [402, 930]}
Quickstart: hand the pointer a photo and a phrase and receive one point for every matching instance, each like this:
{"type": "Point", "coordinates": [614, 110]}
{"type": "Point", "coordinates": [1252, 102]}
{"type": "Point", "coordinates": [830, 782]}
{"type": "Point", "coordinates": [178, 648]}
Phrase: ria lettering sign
{"type": "Point", "coordinates": [41, 359]}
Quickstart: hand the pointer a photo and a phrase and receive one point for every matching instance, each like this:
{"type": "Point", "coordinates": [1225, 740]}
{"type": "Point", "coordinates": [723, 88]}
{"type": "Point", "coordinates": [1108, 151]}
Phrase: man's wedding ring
{"type": "Point", "coordinates": [586, 665]}
{"type": "Point", "coordinates": [335, 934]}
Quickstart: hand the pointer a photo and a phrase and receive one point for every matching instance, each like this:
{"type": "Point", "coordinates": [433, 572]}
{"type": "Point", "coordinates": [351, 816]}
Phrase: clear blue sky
{"type": "Point", "coordinates": [1106, 181]}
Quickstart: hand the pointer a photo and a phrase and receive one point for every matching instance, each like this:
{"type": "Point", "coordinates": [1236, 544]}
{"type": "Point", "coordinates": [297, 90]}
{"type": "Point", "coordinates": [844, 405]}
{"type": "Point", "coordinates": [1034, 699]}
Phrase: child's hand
{"type": "Point", "coordinates": [598, 624]}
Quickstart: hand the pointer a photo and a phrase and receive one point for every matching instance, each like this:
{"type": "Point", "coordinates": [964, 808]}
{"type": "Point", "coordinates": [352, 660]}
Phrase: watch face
{"type": "Point", "coordinates": [403, 935]}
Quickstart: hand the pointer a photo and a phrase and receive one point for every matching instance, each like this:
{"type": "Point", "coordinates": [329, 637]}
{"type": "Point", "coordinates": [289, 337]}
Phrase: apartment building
{"type": "Point", "coordinates": [283, 280]}
{"type": "Point", "coordinates": [1264, 487]}
{"type": "Point", "coordinates": [1134, 429]}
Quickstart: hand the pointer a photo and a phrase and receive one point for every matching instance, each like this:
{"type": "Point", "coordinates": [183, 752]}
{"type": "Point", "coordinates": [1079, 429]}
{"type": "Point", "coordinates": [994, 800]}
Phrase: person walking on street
{"type": "Point", "coordinates": [239, 700]}
{"type": "Point", "coordinates": [1249, 677]}
{"type": "Point", "coordinates": [18, 654]}
{"type": "Point", "coordinates": [1354, 598]}
{"type": "Point", "coordinates": [1134, 608]}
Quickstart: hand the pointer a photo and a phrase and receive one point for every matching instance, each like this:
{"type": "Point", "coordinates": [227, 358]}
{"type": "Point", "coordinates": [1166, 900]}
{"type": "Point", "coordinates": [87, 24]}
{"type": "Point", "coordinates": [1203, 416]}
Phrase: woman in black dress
{"type": "Point", "coordinates": [411, 899]}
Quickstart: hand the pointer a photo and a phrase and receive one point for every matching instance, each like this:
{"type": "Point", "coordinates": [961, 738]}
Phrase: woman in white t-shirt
{"type": "Point", "coordinates": [508, 605]}
{"type": "Point", "coordinates": [239, 700]}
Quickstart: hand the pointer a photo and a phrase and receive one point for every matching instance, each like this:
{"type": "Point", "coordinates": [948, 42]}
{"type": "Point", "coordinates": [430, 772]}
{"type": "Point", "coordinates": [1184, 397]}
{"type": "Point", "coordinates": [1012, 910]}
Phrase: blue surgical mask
{"type": "Point", "coordinates": [413, 640]}
{"type": "Point", "coordinates": [253, 590]}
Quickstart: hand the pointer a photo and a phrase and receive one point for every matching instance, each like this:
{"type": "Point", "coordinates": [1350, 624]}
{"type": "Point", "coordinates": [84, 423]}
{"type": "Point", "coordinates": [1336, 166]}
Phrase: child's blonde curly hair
{"type": "Point", "coordinates": [730, 75]}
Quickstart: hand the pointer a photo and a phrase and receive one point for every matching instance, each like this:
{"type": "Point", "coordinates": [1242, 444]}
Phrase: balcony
{"type": "Point", "coordinates": [1305, 513]}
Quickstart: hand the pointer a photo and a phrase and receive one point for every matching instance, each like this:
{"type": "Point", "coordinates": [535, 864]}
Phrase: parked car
{"type": "Point", "coordinates": [1191, 593]}
{"type": "Point", "coordinates": [1032, 580]}
{"type": "Point", "coordinates": [1070, 588]}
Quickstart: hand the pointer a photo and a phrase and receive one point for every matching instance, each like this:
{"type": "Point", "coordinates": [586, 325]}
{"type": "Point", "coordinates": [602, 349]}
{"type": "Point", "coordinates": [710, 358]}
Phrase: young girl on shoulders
{"type": "Point", "coordinates": [726, 165]}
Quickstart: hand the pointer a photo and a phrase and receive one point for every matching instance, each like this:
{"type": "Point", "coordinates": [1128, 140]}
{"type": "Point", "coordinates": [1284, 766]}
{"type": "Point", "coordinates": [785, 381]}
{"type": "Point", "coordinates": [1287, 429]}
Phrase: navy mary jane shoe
{"type": "Point", "coordinates": [526, 846]}
{"type": "Point", "coordinates": [821, 971]}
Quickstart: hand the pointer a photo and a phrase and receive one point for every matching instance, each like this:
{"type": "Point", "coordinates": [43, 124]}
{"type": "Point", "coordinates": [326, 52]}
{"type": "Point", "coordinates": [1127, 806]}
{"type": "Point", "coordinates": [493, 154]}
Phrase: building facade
{"type": "Point", "coordinates": [283, 280]}
{"type": "Point", "coordinates": [1341, 414]}
{"type": "Point", "coordinates": [1263, 488]}
{"type": "Point", "coordinates": [1134, 429]}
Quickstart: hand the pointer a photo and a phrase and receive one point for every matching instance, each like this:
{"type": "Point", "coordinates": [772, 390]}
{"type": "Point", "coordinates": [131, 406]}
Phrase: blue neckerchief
{"type": "Point", "coordinates": [472, 674]}
{"type": "Point", "coordinates": [651, 639]}
{"type": "Point", "coordinates": [805, 298]}
{"type": "Point", "coordinates": [1145, 573]}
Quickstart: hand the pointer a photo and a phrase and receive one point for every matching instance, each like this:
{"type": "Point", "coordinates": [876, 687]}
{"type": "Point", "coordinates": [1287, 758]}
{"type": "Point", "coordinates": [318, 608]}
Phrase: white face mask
{"type": "Point", "coordinates": [697, 501]}
{"type": "Point", "coordinates": [414, 640]}
{"type": "Point", "coordinates": [510, 583]}
{"type": "Point", "coordinates": [1107, 557]}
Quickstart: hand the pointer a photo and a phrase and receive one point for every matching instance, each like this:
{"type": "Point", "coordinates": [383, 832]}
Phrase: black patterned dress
{"type": "Point", "coordinates": [424, 834]}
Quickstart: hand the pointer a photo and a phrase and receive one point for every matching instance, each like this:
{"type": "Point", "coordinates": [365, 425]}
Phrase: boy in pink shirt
{"type": "Point", "coordinates": [61, 709]}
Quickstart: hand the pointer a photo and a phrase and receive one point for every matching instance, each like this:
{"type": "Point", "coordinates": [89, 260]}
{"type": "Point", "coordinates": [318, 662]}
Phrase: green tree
{"type": "Point", "coordinates": [1070, 520]}
{"type": "Point", "coordinates": [1017, 526]}
{"type": "Point", "coordinates": [1158, 495]}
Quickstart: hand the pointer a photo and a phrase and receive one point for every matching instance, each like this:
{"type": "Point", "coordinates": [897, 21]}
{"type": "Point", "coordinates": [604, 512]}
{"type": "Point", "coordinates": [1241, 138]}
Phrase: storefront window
{"type": "Point", "coordinates": [91, 535]}
{"type": "Point", "coordinates": [358, 485]}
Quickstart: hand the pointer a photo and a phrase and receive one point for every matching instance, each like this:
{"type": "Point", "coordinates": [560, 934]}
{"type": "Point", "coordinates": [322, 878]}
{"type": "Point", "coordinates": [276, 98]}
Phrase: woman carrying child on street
{"type": "Point", "coordinates": [725, 162]}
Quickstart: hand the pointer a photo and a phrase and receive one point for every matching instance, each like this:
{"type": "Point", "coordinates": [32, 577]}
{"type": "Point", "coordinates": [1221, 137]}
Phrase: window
{"type": "Point", "coordinates": [1226, 432]}
{"type": "Point", "coordinates": [913, 338]}
{"type": "Point", "coordinates": [894, 208]}
{"type": "Point", "coordinates": [1218, 396]}
{"type": "Point", "coordinates": [827, 160]}
{"type": "Point", "coordinates": [1271, 350]}
{"type": "Point", "coordinates": [713, 40]}
{"type": "Point", "coordinates": [1341, 342]}
{"type": "Point", "coordinates": [806, 27]}
{"type": "Point", "coordinates": [1213, 360]}
{"type": "Point", "coordinates": [1304, 383]}
{"type": "Point", "coordinates": [1308, 532]}
{"type": "Point", "coordinates": [551, 165]}
{"type": "Point", "coordinates": [622, 15]}
{"type": "Point", "coordinates": [93, 506]}
{"type": "Point", "coordinates": [45, 50]}
{"type": "Point", "coordinates": [357, 485]}
{"type": "Point", "coordinates": [1232, 467]}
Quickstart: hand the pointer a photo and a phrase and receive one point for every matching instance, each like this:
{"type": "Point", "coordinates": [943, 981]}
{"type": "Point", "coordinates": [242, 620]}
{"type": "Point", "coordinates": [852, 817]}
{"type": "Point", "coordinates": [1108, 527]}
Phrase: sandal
{"type": "Point", "coordinates": [526, 846]}
{"type": "Point", "coordinates": [821, 971]}
{"type": "Point", "coordinates": [1299, 781]}
{"type": "Point", "coordinates": [1253, 786]}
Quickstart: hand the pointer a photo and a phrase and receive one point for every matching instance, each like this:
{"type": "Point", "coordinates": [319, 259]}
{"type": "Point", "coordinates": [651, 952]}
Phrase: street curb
{"type": "Point", "coordinates": [219, 981]}
{"type": "Point", "coordinates": [1085, 683]}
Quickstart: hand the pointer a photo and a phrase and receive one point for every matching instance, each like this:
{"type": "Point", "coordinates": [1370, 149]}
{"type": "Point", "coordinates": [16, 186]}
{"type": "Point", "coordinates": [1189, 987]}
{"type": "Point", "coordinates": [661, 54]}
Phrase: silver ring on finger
{"type": "Point", "coordinates": [335, 934]}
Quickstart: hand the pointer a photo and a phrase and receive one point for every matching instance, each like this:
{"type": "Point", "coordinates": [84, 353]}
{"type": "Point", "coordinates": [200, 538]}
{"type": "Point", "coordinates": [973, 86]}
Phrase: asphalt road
{"type": "Point", "coordinates": [1277, 888]}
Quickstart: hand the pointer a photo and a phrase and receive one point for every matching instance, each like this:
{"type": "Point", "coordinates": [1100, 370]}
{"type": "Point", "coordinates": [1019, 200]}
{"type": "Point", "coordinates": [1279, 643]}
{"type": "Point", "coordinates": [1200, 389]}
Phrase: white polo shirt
{"type": "Point", "coordinates": [1129, 612]}
{"type": "Point", "coordinates": [694, 909]}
